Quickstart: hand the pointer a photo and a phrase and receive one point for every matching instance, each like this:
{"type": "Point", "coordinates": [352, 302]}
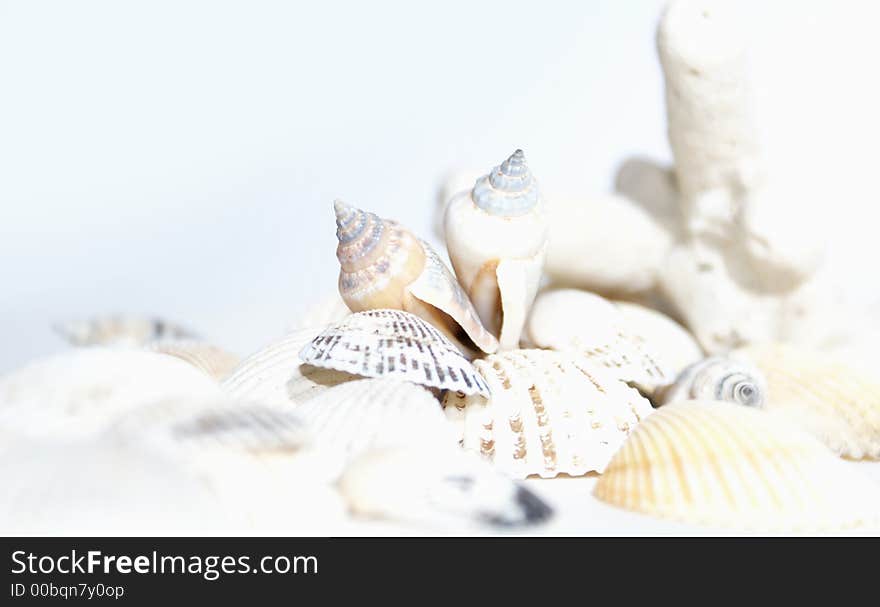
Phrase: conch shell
{"type": "Point", "coordinates": [550, 413]}
{"type": "Point", "coordinates": [384, 265]}
{"type": "Point", "coordinates": [724, 465]}
{"type": "Point", "coordinates": [496, 234]}
{"type": "Point", "coordinates": [718, 378]}
{"type": "Point", "coordinates": [395, 344]}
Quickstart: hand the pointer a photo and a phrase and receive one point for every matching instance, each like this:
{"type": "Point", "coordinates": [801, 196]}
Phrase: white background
{"type": "Point", "coordinates": [180, 157]}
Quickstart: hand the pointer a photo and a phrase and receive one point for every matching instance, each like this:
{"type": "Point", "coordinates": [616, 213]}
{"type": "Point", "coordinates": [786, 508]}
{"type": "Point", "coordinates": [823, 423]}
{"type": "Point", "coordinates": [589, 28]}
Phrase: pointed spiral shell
{"type": "Point", "coordinates": [509, 190]}
{"type": "Point", "coordinates": [719, 378]}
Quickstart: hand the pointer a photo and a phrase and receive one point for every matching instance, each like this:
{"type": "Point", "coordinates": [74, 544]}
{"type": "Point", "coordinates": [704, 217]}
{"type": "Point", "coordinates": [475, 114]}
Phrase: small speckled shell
{"type": "Point", "coordinates": [392, 343]}
{"type": "Point", "coordinates": [550, 413]}
{"type": "Point", "coordinates": [214, 361]}
{"type": "Point", "coordinates": [718, 378]}
{"type": "Point", "coordinates": [724, 465]}
{"type": "Point", "coordinates": [119, 330]}
{"type": "Point", "coordinates": [837, 402]}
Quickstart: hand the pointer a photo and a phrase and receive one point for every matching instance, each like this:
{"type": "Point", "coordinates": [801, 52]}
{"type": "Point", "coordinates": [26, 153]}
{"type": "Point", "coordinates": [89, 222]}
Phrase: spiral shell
{"type": "Point", "coordinates": [212, 360]}
{"type": "Point", "coordinates": [719, 378]}
{"type": "Point", "coordinates": [550, 413]}
{"type": "Point", "coordinates": [496, 234]}
{"type": "Point", "coordinates": [120, 330]}
{"type": "Point", "coordinates": [384, 265]}
{"type": "Point", "coordinates": [723, 465]}
{"type": "Point", "coordinates": [834, 400]}
{"type": "Point", "coordinates": [392, 343]}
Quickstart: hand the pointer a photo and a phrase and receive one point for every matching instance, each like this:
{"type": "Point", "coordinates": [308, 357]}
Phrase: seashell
{"type": "Point", "coordinates": [550, 413]}
{"type": "Point", "coordinates": [384, 265]}
{"type": "Point", "coordinates": [723, 465]}
{"type": "Point", "coordinates": [214, 361]}
{"type": "Point", "coordinates": [453, 182]}
{"type": "Point", "coordinates": [119, 330]}
{"type": "Point", "coordinates": [570, 320]}
{"type": "Point", "coordinates": [836, 401]}
{"type": "Point", "coordinates": [78, 393]}
{"type": "Point", "coordinates": [275, 376]}
{"type": "Point", "coordinates": [496, 234]}
{"type": "Point", "coordinates": [393, 343]}
{"type": "Point", "coordinates": [718, 378]}
{"type": "Point", "coordinates": [320, 314]}
{"type": "Point", "coordinates": [659, 333]}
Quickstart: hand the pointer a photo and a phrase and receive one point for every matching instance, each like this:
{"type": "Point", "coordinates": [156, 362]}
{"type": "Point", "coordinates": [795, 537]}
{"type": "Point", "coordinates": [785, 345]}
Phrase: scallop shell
{"type": "Point", "coordinates": [718, 378]}
{"type": "Point", "coordinates": [659, 333]}
{"type": "Point", "coordinates": [78, 393]}
{"type": "Point", "coordinates": [571, 320]}
{"type": "Point", "coordinates": [384, 265]}
{"type": "Point", "coordinates": [838, 402]}
{"type": "Point", "coordinates": [724, 465]}
{"type": "Point", "coordinates": [392, 343]}
{"type": "Point", "coordinates": [214, 361]}
{"type": "Point", "coordinates": [550, 413]}
{"type": "Point", "coordinates": [119, 330]}
{"type": "Point", "coordinates": [275, 376]}
{"type": "Point", "coordinates": [496, 234]}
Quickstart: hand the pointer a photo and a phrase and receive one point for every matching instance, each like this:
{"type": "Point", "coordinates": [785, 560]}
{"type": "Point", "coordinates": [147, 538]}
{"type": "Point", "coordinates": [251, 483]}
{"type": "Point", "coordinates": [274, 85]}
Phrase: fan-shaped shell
{"type": "Point", "coordinates": [275, 376]}
{"type": "Point", "coordinates": [577, 321]}
{"type": "Point", "coordinates": [836, 401]}
{"type": "Point", "coordinates": [392, 343]}
{"type": "Point", "coordinates": [120, 330]}
{"type": "Point", "coordinates": [496, 234]}
{"type": "Point", "coordinates": [724, 465]}
{"type": "Point", "coordinates": [384, 265]}
{"type": "Point", "coordinates": [550, 413]}
{"type": "Point", "coordinates": [718, 378]}
{"type": "Point", "coordinates": [213, 360]}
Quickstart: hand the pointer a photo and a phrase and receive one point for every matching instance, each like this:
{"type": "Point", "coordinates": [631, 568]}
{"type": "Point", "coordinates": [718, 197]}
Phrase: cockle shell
{"type": "Point", "coordinates": [496, 234]}
{"type": "Point", "coordinates": [550, 413]}
{"type": "Point", "coordinates": [119, 330]}
{"type": "Point", "coordinates": [384, 265]}
{"type": "Point", "coordinates": [718, 378]}
{"type": "Point", "coordinates": [724, 465]}
{"type": "Point", "coordinates": [78, 393]}
{"type": "Point", "coordinates": [275, 376]}
{"type": "Point", "coordinates": [837, 402]}
{"type": "Point", "coordinates": [393, 343]}
{"type": "Point", "coordinates": [659, 333]}
{"type": "Point", "coordinates": [571, 320]}
{"type": "Point", "coordinates": [213, 360]}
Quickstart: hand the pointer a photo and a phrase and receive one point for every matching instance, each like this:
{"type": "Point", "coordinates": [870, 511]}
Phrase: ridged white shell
{"type": "Point", "coordinates": [392, 343]}
{"type": "Point", "coordinates": [837, 402]}
{"type": "Point", "coordinates": [384, 265]}
{"type": "Point", "coordinates": [496, 234]}
{"type": "Point", "coordinates": [550, 413]}
{"type": "Point", "coordinates": [275, 376]}
{"type": "Point", "coordinates": [718, 378]}
{"type": "Point", "coordinates": [578, 321]}
{"type": "Point", "coordinates": [119, 330]}
{"type": "Point", "coordinates": [82, 391]}
{"type": "Point", "coordinates": [672, 343]}
{"type": "Point", "coordinates": [725, 465]}
{"type": "Point", "coordinates": [212, 360]}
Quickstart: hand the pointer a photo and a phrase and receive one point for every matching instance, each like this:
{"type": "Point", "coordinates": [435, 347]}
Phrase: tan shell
{"type": "Point", "coordinates": [718, 378]}
{"type": "Point", "coordinates": [120, 330]}
{"type": "Point", "coordinates": [837, 402]}
{"type": "Point", "coordinates": [384, 265]}
{"type": "Point", "coordinates": [724, 465]}
{"type": "Point", "coordinates": [396, 344]}
{"type": "Point", "coordinates": [275, 376]}
{"type": "Point", "coordinates": [213, 360]}
{"type": "Point", "coordinates": [550, 413]}
{"type": "Point", "coordinates": [571, 320]}
{"type": "Point", "coordinates": [496, 234]}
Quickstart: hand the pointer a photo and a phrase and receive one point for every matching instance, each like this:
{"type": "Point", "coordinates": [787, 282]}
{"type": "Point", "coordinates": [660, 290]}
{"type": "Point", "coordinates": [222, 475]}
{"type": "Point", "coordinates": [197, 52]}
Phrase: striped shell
{"type": "Point", "coordinates": [837, 402]}
{"type": "Point", "coordinates": [384, 265]}
{"type": "Point", "coordinates": [119, 330]}
{"type": "Point", "coordinates": [212, 360]}
{"type": "Point", "coordinates": [550, 413]}
{"type": "Point", "coordinates": [571, 320]}
{"type": "Point", "coordinates": [729, 466]}
{"type": "Point", "coordinates": [392, 343]}
{"type": "Point", "coordinates": [719, 378]}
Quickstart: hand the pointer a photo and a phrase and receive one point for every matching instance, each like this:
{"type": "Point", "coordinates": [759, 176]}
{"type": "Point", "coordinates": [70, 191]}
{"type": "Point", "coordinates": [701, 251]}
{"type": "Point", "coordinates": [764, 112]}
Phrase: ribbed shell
{"type": "Point", "coordinates": [120, 330]}
{"type": "Point", "coordinates": [719, 378]}
{"type": "Point", "coordinates": [550, 413]}
{"type": "Point", "coordinates": [838, 403]}
{"type": "Point", "coordinates": [508, 190]}
{"type": "Point", "coordinates": [724, 465]}
{"type": "Point", "coordinates": [213, 360]}
{"type": "Point", "coordinates": [275, 376]}
{"type": "Point", "coordinates": [579, 321]}
{"type": "Point", "coordinates": [392, 343]}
